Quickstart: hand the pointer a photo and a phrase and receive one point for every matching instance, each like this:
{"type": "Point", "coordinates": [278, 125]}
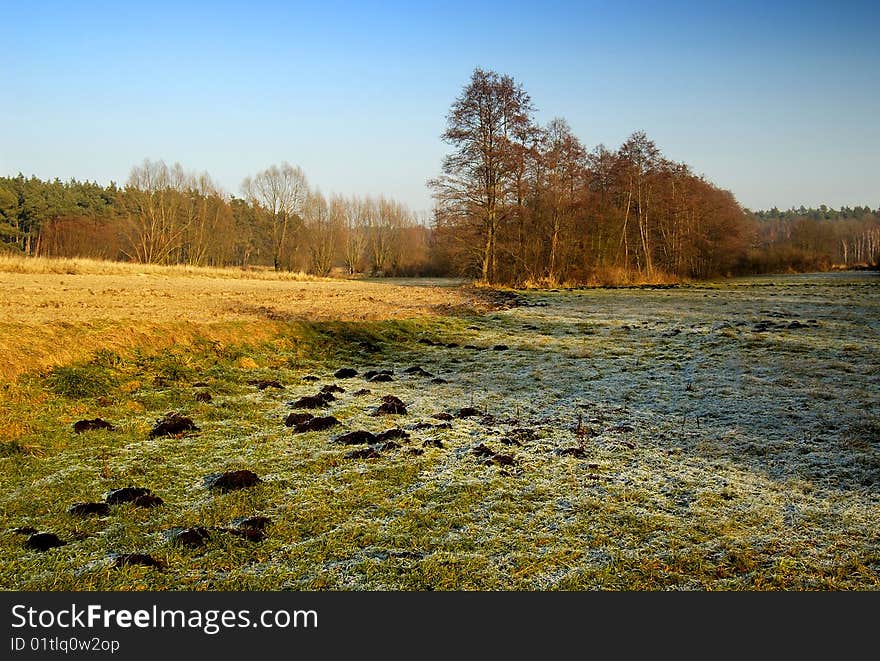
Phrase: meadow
{"type": "Point", "coordinates": [713, 436]}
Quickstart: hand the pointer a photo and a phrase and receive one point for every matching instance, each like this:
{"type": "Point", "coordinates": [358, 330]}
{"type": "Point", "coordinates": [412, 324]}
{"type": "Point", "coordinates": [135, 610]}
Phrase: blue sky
{"type": "Point", "coordinates": [776, 101]}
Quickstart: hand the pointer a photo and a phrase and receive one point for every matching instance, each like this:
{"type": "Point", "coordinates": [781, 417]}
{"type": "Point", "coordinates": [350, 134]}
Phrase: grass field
{"type": "Point", "coordinates": [719, 436]}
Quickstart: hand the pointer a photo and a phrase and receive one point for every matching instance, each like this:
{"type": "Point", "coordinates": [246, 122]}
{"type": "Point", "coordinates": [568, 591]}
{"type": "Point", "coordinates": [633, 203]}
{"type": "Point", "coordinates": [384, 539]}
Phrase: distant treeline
{"type": "Point", "coordinates": [167, 215]}
{"type": "Point", "coordinates": [164, 215]}
{"type": "Point", "coordinates": [814, 239]}
{"type": "Point", "coordinates": [516, 203]}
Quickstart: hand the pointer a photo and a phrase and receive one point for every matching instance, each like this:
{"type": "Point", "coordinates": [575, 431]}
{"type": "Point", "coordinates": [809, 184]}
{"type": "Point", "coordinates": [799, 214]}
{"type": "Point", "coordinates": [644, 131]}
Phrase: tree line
{"type": "Point", "coordinates": [519, 203]}
{"type": "Point", "coordinates": [516, 203]}
{"type": "Point", "coordinates": [168, 215]}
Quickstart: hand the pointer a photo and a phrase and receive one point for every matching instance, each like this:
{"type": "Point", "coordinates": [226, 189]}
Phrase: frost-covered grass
{"type": "Point", "coordinates": [719, 452]}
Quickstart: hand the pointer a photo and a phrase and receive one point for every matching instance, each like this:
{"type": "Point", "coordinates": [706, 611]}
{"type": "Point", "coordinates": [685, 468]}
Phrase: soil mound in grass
{"type": "Point", "coordinates": [316, 424]}
{"type": "Point", "coordinates": [231, 480]}
{"type": "Point", "coordinates": [190, 538]}
{"type": "Point", "coordinates": [43, 541]}
{"type": "Point", "coordinates": [173, 424]}
{"type": "Point", "coordinates": [391, 405]}
{"type": "Point", "coordinates": [89, 509]}
{"type": "Point", "coordinates": [81, 426]}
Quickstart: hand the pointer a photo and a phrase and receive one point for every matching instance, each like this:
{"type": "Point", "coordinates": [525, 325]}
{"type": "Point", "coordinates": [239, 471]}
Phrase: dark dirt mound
{"type": "Point", "coordinates": [451, 345]}
{"type": "Point", "coordinates": [173, 424]}
{"type": "Point", "coordinates": [316, 424]}
{"type": "Point", "coordinates": [262, 384]}
{"type": "Point", "coordinates": [468, 412]}
{"type": "Point", "coordinates": [500, 347]}
{"type": "Point", "coordinates": [370, 374]}
{"type": "Point", "coordinates": [309, 402]}
{"type": "Point", "coordinates": [363, 453]}
{"type": "Point", "coordinates": [294, 419]}
{"type": "Point", "coordinates": [390, 434]}
{"type": "Point", "coordinates": [89, 509]}
{"type": "Point", "coordinates": [417, 370]}
{"type": "Point", "coordinates": [381, 378]}
{"type": "Point", "coordinates": [429, 342]}
{"type": "Point", "coordinates": [356, 438]}
{"type": "Point", "coordinates": [203, 397]}
{"type": "Point", "coordinates": [415, 451]}
{"type": "Point", "coordinates": [310, 377]}
{"type": "Point", "coordinates": [501, 460]}
{"type": "Point", "coordinates": [125, 495]}
{"type": "Point", "coordinates": [345, 373]}
{"type": "Point", "coordinates": [190, 538]}
{"type": "Point", "coordinates": [148, 500]}
{"type": "Point", "coordinates": [388, 445]}
{"type": "Point", "coordinates": [43, 541]}
{"type": "Point", "coordinates": [231, 480]}
{"type": "Point", "coordinates": [439, 381]}
{"type": "Point", "coordinates": [482, 450]}
{"type": "Point", "coordinates": [433, 443]}
{"type": "Point", "coordinates": [250, 534]}
{"type": "Point", "coordinates": [577, 453]}
{"type": "Point", "coordinates": [135, 559]}
{"type": "Point", "coordinates": [442, 416]}
{"type": "Point", "coordinates": [391, 405]}
{"type": "Point", "coordinates": [331, 388]}
{"type": "Point", "coordinates": [81, 426]}
{"type": "Point", "coordinates": [362, 392]}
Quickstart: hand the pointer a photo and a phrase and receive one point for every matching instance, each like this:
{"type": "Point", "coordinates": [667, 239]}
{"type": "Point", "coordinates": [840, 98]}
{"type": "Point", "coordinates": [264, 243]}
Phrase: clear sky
{"type": "Point", "coordinates": [777, 101]}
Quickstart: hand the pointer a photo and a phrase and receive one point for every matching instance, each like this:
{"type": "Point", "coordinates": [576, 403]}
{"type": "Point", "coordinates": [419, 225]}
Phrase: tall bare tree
{"type": "Point", "coordinates": [280, 191]}
{"type": "Point", "coordinates": [641, 158]}
{"type": "Point", "coordinates": [320, 223]}
{"type": "Point", "coordinates": [158, 216]}
{"type": "Point", "coordinates": [477, 176]}
{"type": "Point", "coordinates": [353, 215]}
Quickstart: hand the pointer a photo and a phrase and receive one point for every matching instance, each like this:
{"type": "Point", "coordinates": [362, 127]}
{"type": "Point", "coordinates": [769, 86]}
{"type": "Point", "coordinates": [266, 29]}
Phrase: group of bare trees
{"type": "Point", "coordinates": [314, 233]}
{"type": "Point", "coordinates": [168, 215]}
{"type": "Point", "coordinates": [519, 203]}
{"type": "Point", "coordinates": [174, 216]}
{"type": "Point", "coordinates": [815, 239]}
{"type": "Point", "coordinates": [516, 203]}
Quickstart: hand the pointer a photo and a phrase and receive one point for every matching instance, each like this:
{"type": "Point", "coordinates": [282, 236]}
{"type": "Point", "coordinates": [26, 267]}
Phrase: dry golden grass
{"type": "Point", "coordinates": [608, 276]}
{"type": "Point", "coordinates": [53, 312]}
{"type": "Point", "coordinates": [85, 266]}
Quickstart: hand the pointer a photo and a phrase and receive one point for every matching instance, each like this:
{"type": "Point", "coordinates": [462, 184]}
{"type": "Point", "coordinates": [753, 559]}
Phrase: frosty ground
{"type": "Point", "coordinates": [712, 436]}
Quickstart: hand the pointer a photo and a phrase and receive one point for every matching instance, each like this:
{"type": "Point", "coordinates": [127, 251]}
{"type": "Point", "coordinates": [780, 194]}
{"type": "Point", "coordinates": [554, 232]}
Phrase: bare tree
{"type": "Point", "coordinates": [353, 216]}
{"type": "Point", "coordinates": [280, 191]}
{"type": "Point", "coordinates": [641, 158]}
{"type": "Point", "coordinates": [158, 215]}
{"type": "Point", "coordinates": [563, 157]}
{"type": "Point", "coordinates": [477, 176]}
{"type": "Point", "coordinates": [322, 233]}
